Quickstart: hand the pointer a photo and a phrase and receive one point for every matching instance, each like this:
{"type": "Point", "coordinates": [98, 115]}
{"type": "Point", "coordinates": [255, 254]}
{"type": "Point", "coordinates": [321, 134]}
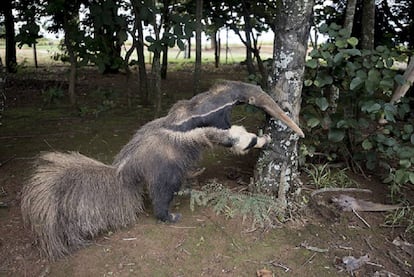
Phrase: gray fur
{"type": "Point", "coordinates": [72, 198]}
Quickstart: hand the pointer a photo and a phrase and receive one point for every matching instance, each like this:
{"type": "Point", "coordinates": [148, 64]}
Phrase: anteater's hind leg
{"type": "Point", "coordinates": [162, 191]}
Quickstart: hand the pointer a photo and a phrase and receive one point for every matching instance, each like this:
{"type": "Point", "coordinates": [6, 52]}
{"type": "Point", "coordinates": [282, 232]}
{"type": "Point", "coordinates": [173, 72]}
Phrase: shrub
{"type": "Point", "coordinates": [346, 93]}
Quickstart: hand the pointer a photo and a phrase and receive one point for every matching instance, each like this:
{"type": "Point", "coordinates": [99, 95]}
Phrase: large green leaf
{"type": "Point", "coordinates": [322, 103]}
{"type": "Point", "coordinates": [366, 144]}
{"type": "Point", "coordinates": [356, 83]}
{"type": "Point", "coordinates": [338, 58]}
{"type": "Point", "coordinates": [313, 122]}
{"type": "Point", "coordinates": [353, 41]}
{"type": "Point", "coordinates": [370, 107]}
{"type": "Point", "coordinates": [341, 43]}
{"type": "Point", "coordinates": [352, 52]}
{"type": "Point", "coordinates": [336, 135]}
{"type": "Point", "coordinates": [313, 63]}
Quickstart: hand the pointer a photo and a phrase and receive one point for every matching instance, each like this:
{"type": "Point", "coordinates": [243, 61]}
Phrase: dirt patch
{"type": "Point", "coordinates": [203, 243]}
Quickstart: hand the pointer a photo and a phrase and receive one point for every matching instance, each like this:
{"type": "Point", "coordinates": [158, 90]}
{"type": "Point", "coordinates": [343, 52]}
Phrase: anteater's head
{"type": "Point", "coordinates": [213, 108]}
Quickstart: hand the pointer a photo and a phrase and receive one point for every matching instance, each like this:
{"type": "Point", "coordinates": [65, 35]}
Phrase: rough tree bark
{"type": "Point", "coordinates": [277, 167]}
{"type": "Point", "coordinates": [368, 24]}
{"type": "Point", "coordinates": [349, 16]}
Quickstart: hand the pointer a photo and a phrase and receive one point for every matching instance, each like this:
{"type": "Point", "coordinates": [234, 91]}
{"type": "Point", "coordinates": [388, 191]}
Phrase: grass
{"type": "Point", "coordinates": [322, 176]}
{"type": "Point", "coordinates": [402, 217]}
{"type": "Point", "coordinates": [46, 48]}
{"type": "Point", "coordinates": [262, 210]}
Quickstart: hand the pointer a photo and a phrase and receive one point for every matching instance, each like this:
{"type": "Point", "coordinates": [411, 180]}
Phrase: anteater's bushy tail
{"type": "Point", "coordinates": [72, 198]}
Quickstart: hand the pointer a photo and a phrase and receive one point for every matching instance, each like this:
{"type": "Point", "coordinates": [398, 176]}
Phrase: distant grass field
{"type": "Point", "coordinates": [46, 49]}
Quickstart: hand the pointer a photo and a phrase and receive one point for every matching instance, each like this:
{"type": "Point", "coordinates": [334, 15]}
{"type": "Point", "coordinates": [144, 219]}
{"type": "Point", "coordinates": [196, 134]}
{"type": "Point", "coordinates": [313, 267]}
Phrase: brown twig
{"type": "Point", "coordinates": [323, 190]}
{"type": "Point", "coordinates": [361, 218]}
{"type": "Point", "coordinates": [308, 260]}
{"type": "Point", "coordinates": [313, 248]}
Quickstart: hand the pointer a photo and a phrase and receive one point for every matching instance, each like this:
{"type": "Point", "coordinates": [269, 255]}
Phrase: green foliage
{"type": "Point", "coordinates": [346, 94]}
{"type": "Point", "coordinates": [402, 217]}
{"type": "Point", "coordinates": [321, 176]}
{"type": "Point", "coordinates": [181, 26]}
{"type": "Point", "coordinates": [52, 95]}
{"type": "Point", "coordinates": [262, 209]}
{"type": "Point", "coordinates": [106, 100]}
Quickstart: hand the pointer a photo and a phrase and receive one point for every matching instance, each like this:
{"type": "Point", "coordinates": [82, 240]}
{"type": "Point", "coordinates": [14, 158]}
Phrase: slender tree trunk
{"type": "Point", "coordinates": [349, 16]}
{"type": "Point", "coordinates": [368, 25]}
{"type": "Point", "coordinates": [142, 71]}
{"type": "Point", "coordinates": [73, 69]}
{"type": "Point", "coordinates": [11, 62]}
{"type": "Point", "coordinates": [213, 40]}
{"type": "Point", "coordinates": [277, 167]}
{"type": "Point", "coordinates": [71, 29]}
{"type": "Point", "coordinates": [164, 66]}
{"type": "Point", "coordinates": [156, 78]}
{"type": "Point", "coordinates": [197, 69]}
{"type": "Point", "coordinates": [188, 55]}
{"type": "Point", "coordinates": [35, 55]}
{"type": "Point", "coordinates": [248, 30]}
{"type": "Point", "coordinates": [217, 47]}
{"type": "Point", "coordinates": [156, 69]}
{"type": "Point", "coordinates": [262, 69]}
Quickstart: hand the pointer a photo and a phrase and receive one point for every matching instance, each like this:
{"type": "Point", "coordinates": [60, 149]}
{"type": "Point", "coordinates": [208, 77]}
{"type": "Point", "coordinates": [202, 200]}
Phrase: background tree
{"type": "Point", "coordinates": [276, 169]}
{"type": "Point", "coordinates": [197, 69]}
{"type": "Point", "coordinates": [29, 12]}
{"type": "Point", "coordinates": [140, 13]}
{"type": "Point", "coordinates": [350, 16]}
{"type": "Point", "coordinates": [6, 10]}
{"type": "Point", "coordinates": [65, 16]}
{"type": "Point", "coordinates": [108, 34]}
{"type": "Point", "coordinates": [368, 25]}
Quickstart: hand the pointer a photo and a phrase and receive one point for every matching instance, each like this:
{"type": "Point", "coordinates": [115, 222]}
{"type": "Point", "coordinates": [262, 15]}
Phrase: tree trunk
{"type": "Point", "coordinates": [139, 43]}
{"type": "Point", "coordinates": [72, 78]}
{"type": "Point", "coordinates": [156, 78]}
{"type": "Point", "coordinates": [73, 68]}
{"type": "Point", "coordinates": [188, 54]}
{"type": "Point", "coordinates": [408, 76]}
{"type": "Point", "coordinates": [197, 69]}
{"type": "Point", "coordinates": [368, 25]}
{"type": "Point", "coordinates": [248, 30]}
{"type": "Point", "coordinates": [142, 71]}
{"type": "Point", "coordinates": [35, 55]}
{"type": "Point", "coordinates": [164, 65]}
{"type": "Point", "coordinates": [11, 62]}
{"type": "Point", "coordinates": [213, 40]}
{"type": "Point", "coordinates": [217, 47]}
{"type": "Point", "coordinates": [349, 16]}
{"type": "Point", "coordinates": [277, 167]}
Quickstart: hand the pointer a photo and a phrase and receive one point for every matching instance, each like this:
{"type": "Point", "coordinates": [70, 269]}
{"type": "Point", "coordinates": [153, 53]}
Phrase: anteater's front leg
{"type": "Point", "coordinates": [237, 139]}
